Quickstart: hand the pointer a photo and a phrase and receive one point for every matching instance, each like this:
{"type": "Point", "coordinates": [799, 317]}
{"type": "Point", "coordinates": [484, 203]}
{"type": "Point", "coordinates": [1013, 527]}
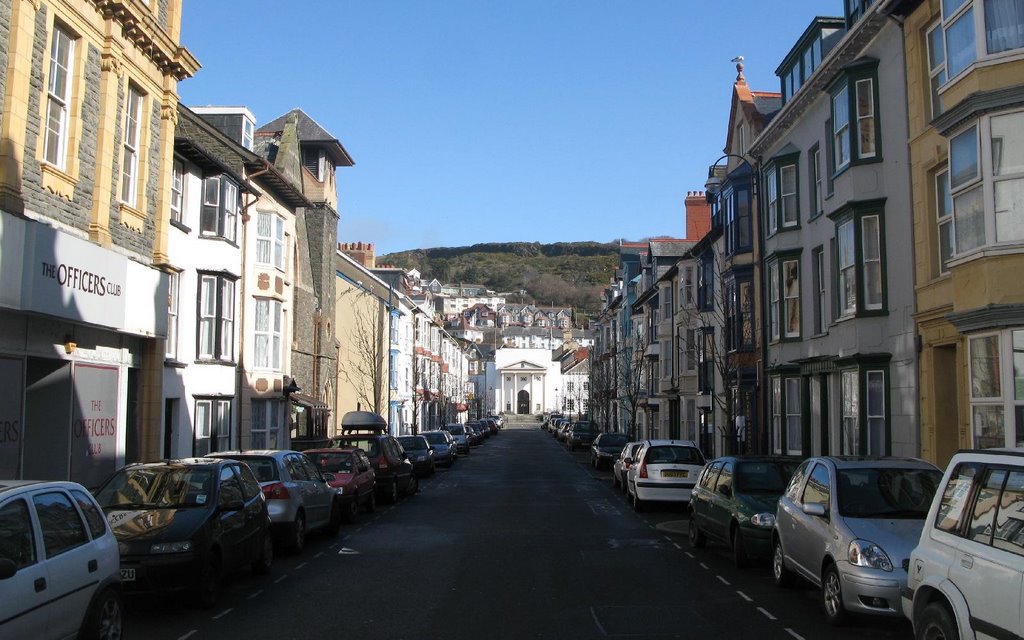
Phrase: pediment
{"type": "Point", "coordinates": [523, 365]}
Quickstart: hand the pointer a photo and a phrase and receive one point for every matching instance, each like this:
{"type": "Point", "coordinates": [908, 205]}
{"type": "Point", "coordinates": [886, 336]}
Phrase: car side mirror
{"type": "Point", "coordinates": [725, 490]}
{"type": "Point", "coordinates": [330, 477]}
{"type": "Point", "coordinates": [815, 509]}
{"type": "Point", "coordinates": [7, 569]}
{"type": "Point", "coordinates": [232, 505]}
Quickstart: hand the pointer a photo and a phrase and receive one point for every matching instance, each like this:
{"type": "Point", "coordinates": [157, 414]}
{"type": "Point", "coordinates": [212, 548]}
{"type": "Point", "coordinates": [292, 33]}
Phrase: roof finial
{"type": "Point", "coordinates": [739, 68]}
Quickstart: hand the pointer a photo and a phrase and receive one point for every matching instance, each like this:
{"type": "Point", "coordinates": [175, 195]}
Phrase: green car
{"type": "Point", "coordinates": [734, 502]}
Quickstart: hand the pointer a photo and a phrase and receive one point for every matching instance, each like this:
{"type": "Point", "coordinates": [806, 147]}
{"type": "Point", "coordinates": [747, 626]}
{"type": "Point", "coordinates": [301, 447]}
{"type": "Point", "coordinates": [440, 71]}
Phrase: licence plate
{"type": "Point", "coordinates": [675, 474]}
{"type": "Point", "coordinates": [128, 575]}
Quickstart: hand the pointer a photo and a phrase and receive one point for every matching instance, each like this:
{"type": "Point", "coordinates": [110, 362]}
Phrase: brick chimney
{"type": "Point", "coordinates": [361, 252]}
{"type": "Point", "coordinates": [698, 215]}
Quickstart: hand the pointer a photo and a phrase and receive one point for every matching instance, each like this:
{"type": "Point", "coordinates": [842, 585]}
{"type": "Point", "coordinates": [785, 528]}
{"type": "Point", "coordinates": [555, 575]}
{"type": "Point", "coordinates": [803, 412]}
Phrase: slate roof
{"type": "Point", "coordinates": [309, 131]}
{"type": "Point", "coordinates": [669, 248]}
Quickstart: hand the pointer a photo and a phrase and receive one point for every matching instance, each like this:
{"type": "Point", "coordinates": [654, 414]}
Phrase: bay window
{"type": "Point", "coordinates": [787, 421]}
{"type": "Point", "coordinates": [782, 181]}
{"type": "Point", "coordinates": [268, 419]}
{"type": "Point", "coordinates": [856, 136]}
{"type": "Point", "coordinates": [864, 409]}
{"type": "Point", "coordinates": [976, 29]}
{"type": "Point", "coordinates": [784, 297]}
{"type": "Point", "coordinates": [269, 320]}
{"type": "Point", "coordinates": [860, 259]}
{"type": "Point", "coordinates": [216, 339]}
{"type": "Point", "coordinates": [944, 220]}
{"type": "Point", "coordinates": [997, 388]}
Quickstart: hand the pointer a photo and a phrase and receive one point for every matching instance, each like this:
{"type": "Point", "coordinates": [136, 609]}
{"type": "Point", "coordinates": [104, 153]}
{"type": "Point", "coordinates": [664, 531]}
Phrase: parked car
{"type": "Point", "coordinates": [420, 454]}
{"type": "Point", "coordinates": [298, 497]}
{"type": "Point", "coordinates": [59, 563]}
{"type": "Point", "coordinates": [443, 445]}
{"type": "Point", "coordinates": [965, 574]}
{"type": "Point", "coordinates": [734, 502]}
{"type": "Point", "coordinates": [563, 430]}
{"type": "Point", "coordinates": [580, 434]}
{"type": "Point", "coordinates": [622, 464]}
{"type": "Point", "coordinates": [350, 474]}
{"type": "Point", "coordinates": [663, 471]}
{"type": "Point", "coordinates": [606, 449]}
{"type": "Point", "coordinates": [460, 436]}
{"type": "Point", "coordinates": [498, 420]}
{"type": "Point", "coordinates": [368, 431]}
{"type": "Point", "coordinates": [491, 425]}
{"type": "Point", "coordinates": [474, 433]}
{"type": "Point", "coordinates": [847, 525]}
{"type": "Point", "coordinates": [182, 525]}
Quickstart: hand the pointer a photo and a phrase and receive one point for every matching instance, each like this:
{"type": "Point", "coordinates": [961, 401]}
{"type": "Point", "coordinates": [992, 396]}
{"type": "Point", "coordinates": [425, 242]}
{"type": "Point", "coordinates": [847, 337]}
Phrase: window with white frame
{"type": "Point", "coordinates": [131, 137]}
{"type": "Point", "coordinates": [997, 389]}
{"type": "Point", "coordinates": [248, 129]}
{"type": "Point", "coordinates": [840, 129]}
{"type": "Point", "coordinates": [58, 97]}
{"type": "Point", "coordinates": [773, 200]}
{"type": "Point", "coordinates": [875, 410]}
{"type": "Point", "coordinates": [220, 208]}
{"type": "Point", "coordinates": [860, 260]}
{"type": "Point", "coordinates": [177, 190]}
{"type": "Point", "coordinates": [815, 180]}
{"type": "Point", "coordinates": [267, 334]}
{"type": "Point", "coordinates": [871, 255]}
{"type": "Point", "coordinates": [171, 344]}
{"type": "Point", "coordinates": [936, 66]}
{"type": "Point", "coordinates": [821, 296]}
{"type": "Point", "coordinates": [847, 256]}
{"type": "Point", "coordinates": [216, 340]}
{"type": "Point", "coordinates": [213, 422]}
{"type": "Point", "coordinates": [977, 29]}
{"type": "Point", "coordinates": [794, 426]}
{"type": "Point", "coordinates": [791, 297]}
{"type": "Point", "coordinates": [774, 290]}
{"type": "Point", "coordinates": [788, 195]}
{"type": "Point", "coordinates": [944, 220]}
{"type": "Point", "coordinates": [849, 399]}
{"type": "Point", "coordinates": [855, 120]}
{"type": "Point", "coordinates": [691, 350]}
{"type": "Point", "coordinates": [866, 135]}
{"type": "Point", "coordinates": [686, 283]}
{"type": "Point", "coordinates": [270, 239]}
{"type": "Point", "coordinates": [268, 419]}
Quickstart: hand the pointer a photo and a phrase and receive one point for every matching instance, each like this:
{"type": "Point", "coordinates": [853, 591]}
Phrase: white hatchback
{"type": "Point", "coordinates": [59, 563]}
{"type": "Point", "coordinates": [663, 471]}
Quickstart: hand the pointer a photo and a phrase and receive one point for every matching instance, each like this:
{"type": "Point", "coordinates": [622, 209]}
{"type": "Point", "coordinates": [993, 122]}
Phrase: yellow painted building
{"type": "Point", "coordinates": [965, 92]}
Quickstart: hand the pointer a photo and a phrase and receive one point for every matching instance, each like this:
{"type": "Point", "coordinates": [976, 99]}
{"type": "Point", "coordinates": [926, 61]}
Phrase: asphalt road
{"type": "Point", "coordinates": [520, 540]}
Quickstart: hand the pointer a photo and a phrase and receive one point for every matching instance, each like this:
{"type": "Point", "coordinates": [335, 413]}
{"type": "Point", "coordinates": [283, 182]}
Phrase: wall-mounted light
{"type": "Point", "coordinates": [70, 345]}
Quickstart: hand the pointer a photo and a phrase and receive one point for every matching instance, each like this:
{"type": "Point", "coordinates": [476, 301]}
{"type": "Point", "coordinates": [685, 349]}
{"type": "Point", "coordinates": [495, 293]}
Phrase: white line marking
{"type": "Point", "coordinates": [299, 566]}
{"type": "Point", "coordinates": [253, 596]}
{"type": "Point", "coordinates": [222, 614]}
{"type": "Point", "coordinates": [703, 566]}
{"type": "Point", "coordinates": [593, 614]}
{"type": "Point", "coordinates": [766, 614]}
{"type": "Point", "coordinates": [676, 544]}
{"type": "Point", "coordinates": [794, 634]}
{"type": "Point", "coordinates": [689, 555]}
{"type": "Point", "coordinates": [189, 634]}
{"type": "Point", "coordinates": [724, 581]}
{"type": "Point", "coordinates": [667, 538]}
{"type": "Point", "coordinates": [320, 554]}
{"type": "Point", "coordinates": [745, 596]}
{"type": "Point", "coordinates": [281, 579]}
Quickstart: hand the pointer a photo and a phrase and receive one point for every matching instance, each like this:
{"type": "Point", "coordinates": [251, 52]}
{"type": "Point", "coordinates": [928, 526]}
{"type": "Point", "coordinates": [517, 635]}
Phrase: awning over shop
{"type": "Point", "coordinates": [309, 402]}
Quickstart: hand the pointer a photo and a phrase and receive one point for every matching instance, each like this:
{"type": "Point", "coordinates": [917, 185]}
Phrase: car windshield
{"type": "Point", "coordinates": [581, 426]}
{"type": "Point", "coordinates": [614, 440]}
{"type": "Point", "coordinates": [413, 443]}
{"type": "Point", "coordinates": [673, 454]}
{"type": "Point", "coordinates": [456, 431]}
{"type": "Point", "coordinates": [763, 476]}
{"type": "Point", "coordinates": [157, 488]}
{"type": "Point", "coordinates": [435, 438]}
{"type": "Point", "coordinates": [369, 445]}
{"type": "Point", "coordinates": [886, 492]}
{"type": "Point", "coordinates": [332, 462]}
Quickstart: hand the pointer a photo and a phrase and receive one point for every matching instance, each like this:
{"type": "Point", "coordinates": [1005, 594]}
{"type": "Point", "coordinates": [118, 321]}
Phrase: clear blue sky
{"type": "Point", "coordinates": [499, 120]}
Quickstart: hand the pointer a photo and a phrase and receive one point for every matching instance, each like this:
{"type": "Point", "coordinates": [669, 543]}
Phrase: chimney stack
{"type": "Point", "coordinates": [698, 215]}
{"type": "Point", "coordinates": [361, 252]}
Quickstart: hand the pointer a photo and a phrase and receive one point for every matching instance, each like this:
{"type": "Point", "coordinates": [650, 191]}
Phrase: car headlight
{"type": "Point", "coordinates": [340, 490]}
{"type": "Point", "coordinates": [171, 547]}
{"type": "Point", "coordinates": [868, 554]}
{"type": "Point", "coordinates": [421, 457]}
{"type": "Point", "coordinates": [763, 520]}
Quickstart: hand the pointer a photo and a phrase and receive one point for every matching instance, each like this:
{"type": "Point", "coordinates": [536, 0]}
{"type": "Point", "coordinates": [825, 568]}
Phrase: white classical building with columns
{"type": "Point", "coordinates": [529, 381]}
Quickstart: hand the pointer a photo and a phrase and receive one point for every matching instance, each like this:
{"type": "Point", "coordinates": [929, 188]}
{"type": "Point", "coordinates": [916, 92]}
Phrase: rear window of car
{"type": "Point", "coordinates": [456, 431]}
{"type": "Point", "coordinates": [614, 440]}
{"type": "Point", "coordinates": [370, 445]}
{"type": "Point", "coordinates": [763, 476]}
{"type": "Point", "coordinates": [413, 443]}
{"type": "Point", "coordinates": [436, 438]}
{"type": "Point", "coordinates": [332, 462]}
{"type": "Point", "coordinates": [265, 469]}
{"type": "Point", "coordinates": [673, 454]}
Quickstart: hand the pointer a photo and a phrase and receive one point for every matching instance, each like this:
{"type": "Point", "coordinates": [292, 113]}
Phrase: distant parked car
{"type": "Point", "coordinates": [368, 431]}
{"type": "Point", "coordinates": [580, 435]}
{"type": "Point", "coordinates": [350, 474]}
{"type": "Point", "coordinates": [59, 563]}
{"type": "Point", "coordinates": [443, 445]}
{"type": "Point", "coordinates": [964, 576]}
{"type": "Point", "coordinates": [298, 498]}
{"type": "Point", "coordinates": [848, 525]}
{"type": "Point", "coordinates": [491, 425]}
{"type": "Point", "coordinates": [606, 449]}
{"type": "Point", "coordinates": [663, 471]}
{"type": "Point", "coordinates": [620, 467]}
{"type": "Point", "coordinates": [420, 454]}
{"type": "Point", "coordinates": [498, 420]}
{"type": "Point", "coordinates": [460, 436]}
{"type": "Point", "coordinates": [182, 525]}
{"type": "Point", "coordinates": [734, 502]}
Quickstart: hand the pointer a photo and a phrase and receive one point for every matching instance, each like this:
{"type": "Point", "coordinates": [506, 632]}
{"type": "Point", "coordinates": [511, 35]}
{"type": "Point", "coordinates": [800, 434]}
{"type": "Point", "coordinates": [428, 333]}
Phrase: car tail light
{"type": "Point", "coordinates": [382, 464]}
{"type": "Point", "coordinates": [642, 473]}
{"type": "Point", "coordinates": [276, 491]}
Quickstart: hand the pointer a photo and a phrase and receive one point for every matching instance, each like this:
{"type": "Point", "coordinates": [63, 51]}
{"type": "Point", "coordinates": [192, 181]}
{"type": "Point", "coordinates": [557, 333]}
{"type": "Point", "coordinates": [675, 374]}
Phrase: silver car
{"type": "Point", "coordinates": [298, 497]}
{"type": "Point", "coordinates": [848, 525]}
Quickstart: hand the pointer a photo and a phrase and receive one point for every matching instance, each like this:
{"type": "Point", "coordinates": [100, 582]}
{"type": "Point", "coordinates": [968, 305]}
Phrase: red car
{"type": "Point", "coordinates": [351, 475]}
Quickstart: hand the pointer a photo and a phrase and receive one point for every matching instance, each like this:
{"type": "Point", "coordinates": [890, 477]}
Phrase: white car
{"type": "Point", "coordinates": [620, 468]}
{"type": "Point", "coordinates": [964, 578]}
{"type": "Point", "coordinates": [59, 563]}
{"type": "Point", "coordinates": [663, 471]}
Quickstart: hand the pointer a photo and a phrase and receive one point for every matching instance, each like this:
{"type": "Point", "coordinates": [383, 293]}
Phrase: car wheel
{"type": "Point", "coordinates": [262, 564]}
{"type": "Point", "coordinates": [392, 497]}
{"type": "Point", "coordinates": [105, 619]}
{"type": "Point", "coordinates": [695, 535]}
{"type": "Point", "coordinates": [413, 486]}
{"type": "Point", "coordinates": [739, 550]}
{"type": "Point", "coordinates": [371, 504]}
{"type": "Point", "coordinates": [782, 576]}
{"type": "Point", "coordinates": [298, 537]}
{"type": "Point", "coordinates": [210, 582]}
{"type": "Point", "coordinates": [832, 596]}
{"type": "Point", "coordinates": [936, 623]}
{"type": "Point", "coordinates": [638, 504]}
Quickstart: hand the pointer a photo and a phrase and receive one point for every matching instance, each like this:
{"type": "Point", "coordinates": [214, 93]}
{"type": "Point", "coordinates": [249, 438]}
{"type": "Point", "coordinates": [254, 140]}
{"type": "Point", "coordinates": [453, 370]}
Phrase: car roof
{"type": "Point", "coordinates": [757, 458]}
{"type": "Point", "coordinates": [880, 462]}
{"type": "Point", "coordinates": [334, 450]}
{"type": "Point", "coordinates": [270, 453]}
{"type": "Point", "coordinates": [180, 462]}
{"type": "Point", "coordinates": [12, 485]}
{"type": "Point", "coordinates": [681, 443]}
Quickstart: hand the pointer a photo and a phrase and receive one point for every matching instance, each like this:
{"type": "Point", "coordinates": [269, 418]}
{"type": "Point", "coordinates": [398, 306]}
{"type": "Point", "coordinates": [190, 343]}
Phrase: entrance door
{"type": "Point", "coordinates": [523, 402]}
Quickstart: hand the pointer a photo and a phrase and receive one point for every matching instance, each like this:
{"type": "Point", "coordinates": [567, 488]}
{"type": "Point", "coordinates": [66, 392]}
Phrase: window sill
{"type": "Point", "coordinates": [223, 363]}
{"type": "Point", "coordinates": [57, 182]}
{"type": "Point", "coordinates": [180, 227]}
{"type": "Point", "coordinates": [985, 251]}
{"type": "Point", "coordinates": [174, 363]}
{"type": "Point", "coordinates": [211, 236]}
{"type": "Point", "coordinates": [131, 217]}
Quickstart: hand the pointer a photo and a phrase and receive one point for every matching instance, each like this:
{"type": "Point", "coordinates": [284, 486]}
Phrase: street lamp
{"type": "Point", "coordinates": [714, 183]}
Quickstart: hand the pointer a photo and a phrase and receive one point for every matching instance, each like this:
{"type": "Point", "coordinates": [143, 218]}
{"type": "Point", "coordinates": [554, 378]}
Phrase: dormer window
{"type": "Point", "coordinates": [248, 129]}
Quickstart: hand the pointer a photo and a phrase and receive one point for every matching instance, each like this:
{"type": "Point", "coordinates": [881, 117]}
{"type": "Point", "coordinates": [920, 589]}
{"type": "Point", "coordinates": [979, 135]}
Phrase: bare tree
{"type": "Point", "coordinates": [368, 353]}
{"type": "Point", "coordinates": [629, 369]}
{"type": "Point", "coordinates": [600, 391]}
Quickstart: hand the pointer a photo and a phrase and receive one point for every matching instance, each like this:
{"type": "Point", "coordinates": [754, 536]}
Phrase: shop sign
{"type": "Point", "coordinates": [94, 423]}
{"type": "Point", "coordinates": [11, 379]}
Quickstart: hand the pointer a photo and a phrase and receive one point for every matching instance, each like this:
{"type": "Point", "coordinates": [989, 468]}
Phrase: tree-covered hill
{"type": "Point", "coordinates": [563, 273]}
